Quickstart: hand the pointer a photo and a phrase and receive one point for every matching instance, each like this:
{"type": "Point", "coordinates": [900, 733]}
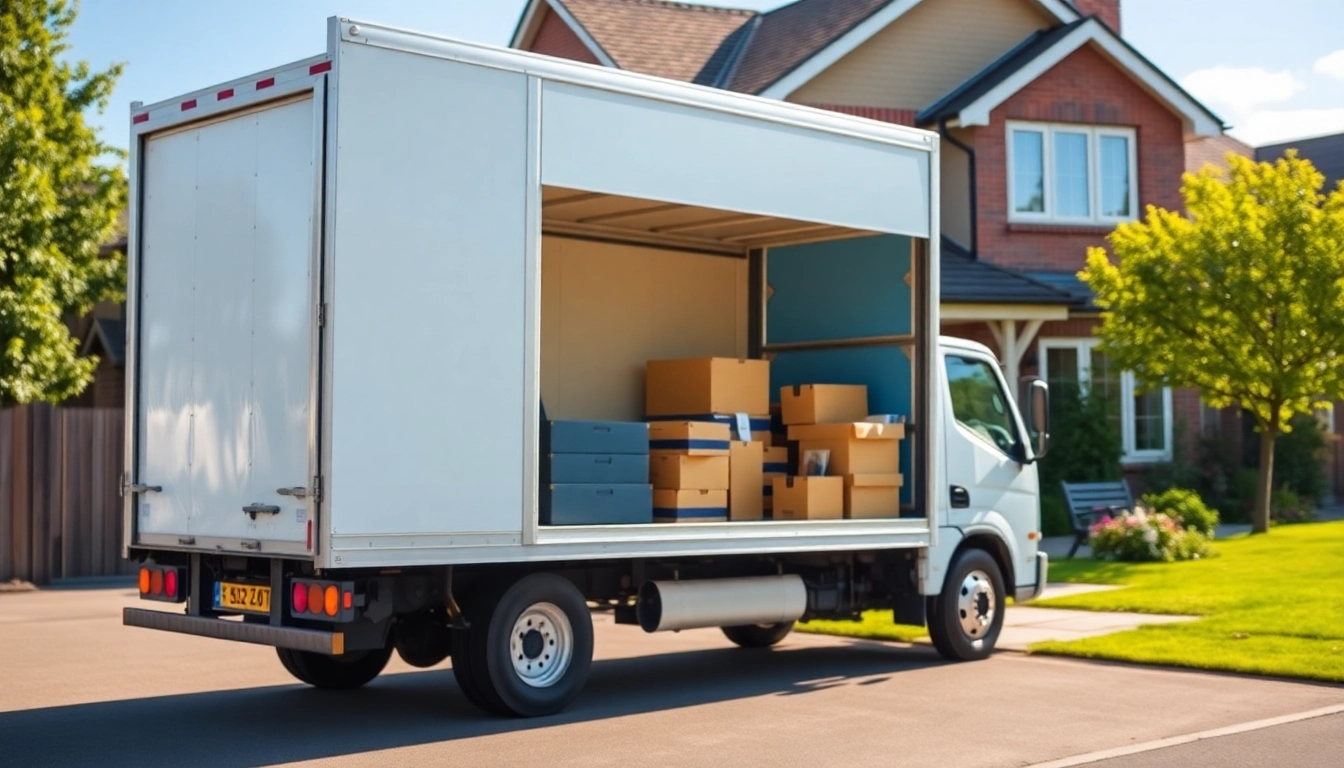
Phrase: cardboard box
{"type": "Point", "coordinates": [706, 385]}
{"type": "Point", "coordinates": [689, 438]}
{"type": "Point", "coordinates": [599, 468]}
{"type": "Point", "coordinates": [570, 504]}
{"type": "Point", "coordinates": [823, 403]}
{"type": "Point", "coordinates": [746, 462]}
{"type": "Point", "coordinates": [758, 426]}
{"type": "Point", "coordinates": [611, 437]}
{"type": "Point", "coordinates": [776, 460]}
{"type": "Point", "coordinates": [873, 496]}
{"type": "Point", "coordinates": [847, 431]}
{"type": "Point", "coordinates": [809, 498]}
{"type": "Point", "coordinates": [768, 489]}
{"type": "Point", "coordinates": [690, 506]}
{"type": "Point", "coordinates": [700, 473]}
{"type": "Point", "coordinates": [858, 457]}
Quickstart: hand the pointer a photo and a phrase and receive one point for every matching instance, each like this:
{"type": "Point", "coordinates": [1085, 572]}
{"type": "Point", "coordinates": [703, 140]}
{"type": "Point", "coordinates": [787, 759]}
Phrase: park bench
{"type": "Point", "coordinates": [1089, 502]}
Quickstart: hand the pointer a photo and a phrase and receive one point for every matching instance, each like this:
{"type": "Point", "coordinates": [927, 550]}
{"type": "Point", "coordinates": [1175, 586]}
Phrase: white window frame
{"type": "Point", "coordinates": [1129, 455]}
{"type": "Point", "coordinates": [1094, 134]}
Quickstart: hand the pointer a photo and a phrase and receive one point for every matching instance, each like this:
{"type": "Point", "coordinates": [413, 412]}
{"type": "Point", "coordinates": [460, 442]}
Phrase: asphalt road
{"type": "Point", "coordinates": [77, 688]}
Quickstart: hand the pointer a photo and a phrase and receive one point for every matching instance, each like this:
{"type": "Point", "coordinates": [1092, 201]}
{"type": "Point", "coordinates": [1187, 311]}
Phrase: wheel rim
{"type": "Point", "coordinates": [976, 605]}
{"type": "Point", "coordinates": [541, 645]}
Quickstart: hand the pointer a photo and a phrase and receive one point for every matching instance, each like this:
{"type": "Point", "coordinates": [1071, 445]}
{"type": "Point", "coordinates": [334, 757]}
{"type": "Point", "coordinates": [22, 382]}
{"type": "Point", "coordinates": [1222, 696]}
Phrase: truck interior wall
{"type": "Point", "coordinates": [846, 289]}
{"type": "Point", "coordinates": [607, 308]}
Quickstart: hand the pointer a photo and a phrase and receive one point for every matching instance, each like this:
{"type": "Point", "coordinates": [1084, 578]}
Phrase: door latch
{"type": "Point", "coordinates": [297, 492]}
{"type": "Point", "coordinates": [142, 488]}
{"type": "Point", "coordinates": [960, 497]}
{"type": "Point", "coordinates": [253, 510]}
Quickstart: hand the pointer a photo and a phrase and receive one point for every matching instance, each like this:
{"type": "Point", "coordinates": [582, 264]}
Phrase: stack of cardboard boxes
{"type": "Point", "coordinates": [848, 462]}
{"type": "Point", "coordinates": [595, 473]}
{"type": "Point", "coordinates": [724, 402]}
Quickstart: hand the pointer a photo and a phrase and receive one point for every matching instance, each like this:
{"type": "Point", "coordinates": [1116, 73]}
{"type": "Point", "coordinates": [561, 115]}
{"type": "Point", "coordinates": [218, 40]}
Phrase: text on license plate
{"type": "Point", "coordinates": [243, 597]}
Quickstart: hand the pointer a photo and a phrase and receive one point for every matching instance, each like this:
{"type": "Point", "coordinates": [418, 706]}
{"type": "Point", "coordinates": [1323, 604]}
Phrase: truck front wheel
{"type": "Point", "coordinates": [758, 635]}
{"type": "Point", "coordinates": [965, 618]}
{"type": "Point", "coordinates": [528, 652]}
{"type": "Point", "coordinates": [349, 670]}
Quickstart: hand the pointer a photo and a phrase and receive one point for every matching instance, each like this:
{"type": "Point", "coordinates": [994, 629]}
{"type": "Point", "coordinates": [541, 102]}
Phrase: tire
{"type": "Point", "coordinates": [528, 652]}
{"type": "Point", "coordinates": [966, 617]}
{"type": "Point", "coordinates": [758, 635]}
{"type": "Point", "coordinates": [335, 673]}
{"type": "Point", "coordinates": [422, 641]}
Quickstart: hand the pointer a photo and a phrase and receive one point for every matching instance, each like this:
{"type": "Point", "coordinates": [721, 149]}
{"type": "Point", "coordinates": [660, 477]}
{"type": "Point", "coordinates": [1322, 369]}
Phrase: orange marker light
{"type": "Point", "coordinates": [349, 600]}
{"type": "Point", "coordinates": [315, 598]}
{"type": "Point", "coordinates": [144, 581]}
{"type": "Point", "coordinates": [333, 600]}
{"type": "Point", "coordinates": [156, 583]}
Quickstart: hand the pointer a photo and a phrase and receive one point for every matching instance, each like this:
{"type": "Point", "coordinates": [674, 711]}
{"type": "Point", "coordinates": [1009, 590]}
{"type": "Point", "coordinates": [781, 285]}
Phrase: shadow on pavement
{"type": "Point", "coordinates": [262, 726]}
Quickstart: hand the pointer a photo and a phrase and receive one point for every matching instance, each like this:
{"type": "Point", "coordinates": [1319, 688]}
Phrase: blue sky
{"type": "Point", "coordinates": [1273, 71]}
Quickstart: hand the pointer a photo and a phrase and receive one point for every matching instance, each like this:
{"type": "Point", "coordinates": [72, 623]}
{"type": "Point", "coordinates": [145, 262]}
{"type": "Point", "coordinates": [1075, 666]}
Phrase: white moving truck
{"type": "Point", "coordinates": [358, 281]}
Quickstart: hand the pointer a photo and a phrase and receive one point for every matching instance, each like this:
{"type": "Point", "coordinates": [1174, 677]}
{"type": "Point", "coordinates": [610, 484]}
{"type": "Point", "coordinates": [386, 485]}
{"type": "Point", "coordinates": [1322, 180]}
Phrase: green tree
{"type": "Point", "coordinates": [59, 201]}
{"type": "Point", "coordinates": [1242, 297]}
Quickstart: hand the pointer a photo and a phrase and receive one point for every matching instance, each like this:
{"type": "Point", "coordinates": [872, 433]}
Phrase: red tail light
{"type": "Point", "coordinates": [300, 598]}
{"type": "Point", "coordinates": [167, 583]}
{"type": "Point", "coordinates": [170, 584]}
{"type": "Point", "coordinates": [336, 601]}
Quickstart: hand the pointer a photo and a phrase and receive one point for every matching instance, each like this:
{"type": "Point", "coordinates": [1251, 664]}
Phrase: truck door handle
{"type": "Point", "coordinates": [261, 509]}
{"type": "Point", "coordinates": [297, 493]}
{"type": "Point", "coordinates": [142, 488]}
{"type": "Point", "coordinates": [961, 498]}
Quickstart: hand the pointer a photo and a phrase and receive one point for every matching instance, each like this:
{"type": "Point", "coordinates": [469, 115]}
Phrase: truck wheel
{"type": "Point", "coordinates": [758, 635]}
{"type": "Point", "coordinates": [527, 653]}
{"type": "Point", "coordinates": [349, 670]}
{"type": "Point", "coordinates": [965, 619]}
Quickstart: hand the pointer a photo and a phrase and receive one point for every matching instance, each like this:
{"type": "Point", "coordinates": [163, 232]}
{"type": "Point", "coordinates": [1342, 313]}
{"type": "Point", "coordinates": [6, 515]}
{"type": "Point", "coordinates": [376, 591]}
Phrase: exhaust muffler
{"type": "Point", "coordinates": [702, 603]}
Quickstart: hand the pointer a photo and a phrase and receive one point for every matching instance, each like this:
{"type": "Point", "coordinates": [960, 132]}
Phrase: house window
{"type": "Point", "coordinates": [1071, 174]}
{"type": "Point", "coordinates": [1143, 420]}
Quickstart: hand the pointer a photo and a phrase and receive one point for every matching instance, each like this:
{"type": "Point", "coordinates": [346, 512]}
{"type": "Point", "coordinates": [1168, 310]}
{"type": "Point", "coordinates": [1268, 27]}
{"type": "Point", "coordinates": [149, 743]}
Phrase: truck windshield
{"type": "Point", "coordinates": [979, 403]}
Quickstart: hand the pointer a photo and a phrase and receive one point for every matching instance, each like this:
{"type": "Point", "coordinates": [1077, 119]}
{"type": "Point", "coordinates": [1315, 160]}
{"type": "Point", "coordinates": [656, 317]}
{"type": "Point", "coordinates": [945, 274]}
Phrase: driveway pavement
{"type": "Point", "coordinates": [77, 688]}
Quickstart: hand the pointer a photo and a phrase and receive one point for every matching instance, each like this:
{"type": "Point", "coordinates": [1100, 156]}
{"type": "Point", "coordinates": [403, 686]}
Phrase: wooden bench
{"type": "Point", "coordinates": [1089, 502]}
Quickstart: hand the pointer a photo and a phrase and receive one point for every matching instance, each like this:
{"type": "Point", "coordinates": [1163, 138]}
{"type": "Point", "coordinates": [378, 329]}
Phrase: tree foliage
{"type": "Point", "coordinates": [59, 201]}
{"type": "Point", "coordinates": [1240, 297]}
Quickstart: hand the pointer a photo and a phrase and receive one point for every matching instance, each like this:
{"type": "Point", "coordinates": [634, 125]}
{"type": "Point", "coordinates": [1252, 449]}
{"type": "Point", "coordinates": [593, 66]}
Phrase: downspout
{"type": "Point", "coordinates": [970, 161]}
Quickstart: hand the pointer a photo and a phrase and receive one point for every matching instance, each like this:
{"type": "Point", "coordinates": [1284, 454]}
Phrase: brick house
{"type": "Point", "coordinates": [1054, 129]}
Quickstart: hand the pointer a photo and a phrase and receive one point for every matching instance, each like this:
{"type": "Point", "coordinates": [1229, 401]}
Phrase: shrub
{"type": "Point", "coordinates": [1288, 507]}
{"type": "Point", "coordinates": [1054, 513]}
{"type": "Point", "coordinates": [1145, 536]}
{"type": "Point", "coordinates": [1299, 456]}
{"type": "Point", "coordinates": [1084, 443]}
{"type": "Point", "coordinates": [1186, 507]}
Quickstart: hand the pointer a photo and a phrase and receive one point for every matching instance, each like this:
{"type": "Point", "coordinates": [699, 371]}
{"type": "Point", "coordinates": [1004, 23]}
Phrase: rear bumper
{"type": "Point", "coordinates": [315, 641]}
{"type": "Point", "coordinates": [1033, 591]}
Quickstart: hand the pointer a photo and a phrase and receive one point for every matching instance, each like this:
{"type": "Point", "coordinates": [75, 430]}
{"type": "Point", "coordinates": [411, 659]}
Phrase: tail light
{"type": "Point", "coordinates": [166, 583]}
{"type": "Point", "coordinates": [324, 600]}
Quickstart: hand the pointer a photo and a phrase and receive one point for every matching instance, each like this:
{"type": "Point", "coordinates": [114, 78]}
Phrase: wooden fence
{"type": "Point", "coordinates": [60, 505]}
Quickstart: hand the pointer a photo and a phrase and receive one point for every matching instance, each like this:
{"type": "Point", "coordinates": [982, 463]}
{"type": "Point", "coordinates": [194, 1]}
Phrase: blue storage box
{"type": "Point", "coordinates": [615, 504]}
{"type": "Point", "coordinates": [606, 437]}
{"type": "Point", "coordinates": [599, 468]}
{"type": "Point", "coordinates": [760, 425]}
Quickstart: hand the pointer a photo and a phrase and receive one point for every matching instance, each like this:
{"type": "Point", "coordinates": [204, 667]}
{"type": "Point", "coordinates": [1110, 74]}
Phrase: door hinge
{"type": "Point", "coordinates": [317, 488]}
{"type": "Point", "coordinates": [321, 314]}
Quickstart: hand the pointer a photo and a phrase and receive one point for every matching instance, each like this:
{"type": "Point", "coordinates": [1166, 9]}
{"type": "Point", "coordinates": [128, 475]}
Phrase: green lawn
{"type": "Point", "coordinates": [1270, 605]}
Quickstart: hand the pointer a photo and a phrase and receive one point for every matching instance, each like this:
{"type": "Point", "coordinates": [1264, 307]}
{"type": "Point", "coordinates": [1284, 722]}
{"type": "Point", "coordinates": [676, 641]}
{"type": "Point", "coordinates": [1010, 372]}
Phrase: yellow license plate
{"type": "Point", "coordinates": [242, 597]}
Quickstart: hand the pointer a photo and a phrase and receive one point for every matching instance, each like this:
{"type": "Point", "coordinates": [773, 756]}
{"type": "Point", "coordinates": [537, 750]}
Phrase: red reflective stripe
{"type": "Point", "coordinates": [227, 93]}
{"type": "Point", "coordinates": [318, 69]}
{"type": "Point", "coordinates": [267, 83]}
{"type": "Point", "coordinates": [140, 118]}
{"type": "Point", "coordinates": [189, 104]}
{"type": "Point", "coordinates": [310, 535]}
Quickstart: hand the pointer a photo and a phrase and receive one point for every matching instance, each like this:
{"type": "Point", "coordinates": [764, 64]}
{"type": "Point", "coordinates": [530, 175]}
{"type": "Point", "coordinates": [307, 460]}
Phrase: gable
{"type": "Point", "coordinates": [555, 38]}
{"type": "Point", "coordinates": [929, 51]}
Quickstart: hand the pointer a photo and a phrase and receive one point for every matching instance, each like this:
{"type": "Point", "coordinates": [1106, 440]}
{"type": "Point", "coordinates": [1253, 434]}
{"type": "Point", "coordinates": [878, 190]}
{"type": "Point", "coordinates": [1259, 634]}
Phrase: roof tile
{"type": "Point", "coordinates": [666, 39]}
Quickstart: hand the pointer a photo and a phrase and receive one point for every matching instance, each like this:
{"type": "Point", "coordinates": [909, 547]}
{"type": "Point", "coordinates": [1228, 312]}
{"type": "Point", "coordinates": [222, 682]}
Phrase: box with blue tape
{"type": "Point", "coordinates": [689, 506]}
{"type": "Point", "coordinates": [592, 504]}
{"type": "Point", "coordinates": [689, 438]}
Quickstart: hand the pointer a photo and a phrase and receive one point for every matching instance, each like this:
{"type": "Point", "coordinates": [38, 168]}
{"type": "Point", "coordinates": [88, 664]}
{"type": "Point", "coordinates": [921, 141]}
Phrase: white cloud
{"type": "Point", "coordinates": [1331, 65]}
{"type": "Point", "coordinates": [1274, 126]}
{"type": "Point", "coordinates": [1241, 88]}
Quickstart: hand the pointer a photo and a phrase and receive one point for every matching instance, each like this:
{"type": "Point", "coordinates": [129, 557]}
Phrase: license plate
{"type": "Point", "coordinates": [243, 597]}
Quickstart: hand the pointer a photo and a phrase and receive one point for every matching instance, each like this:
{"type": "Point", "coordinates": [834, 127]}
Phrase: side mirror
{"type": "Point", "coordinates": [1037, 407]}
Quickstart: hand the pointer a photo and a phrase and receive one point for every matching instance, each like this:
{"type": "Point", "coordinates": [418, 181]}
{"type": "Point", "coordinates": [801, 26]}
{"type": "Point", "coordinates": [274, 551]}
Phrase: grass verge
{"type": "Point", "coordinates": [1269, 606]}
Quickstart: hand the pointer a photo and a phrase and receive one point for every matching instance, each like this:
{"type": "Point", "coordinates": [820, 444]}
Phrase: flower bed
{"type": "Point", "coordinates": [1145, 536]}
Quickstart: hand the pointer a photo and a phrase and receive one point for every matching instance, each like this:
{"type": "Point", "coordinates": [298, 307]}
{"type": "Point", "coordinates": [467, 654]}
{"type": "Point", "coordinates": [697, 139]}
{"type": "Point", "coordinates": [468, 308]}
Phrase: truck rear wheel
{"type": "Point", "coordinates": [966, 617]}
{"type": "Point", "coordinates": [758, 635]}
{"type": "Point", "coordinates": [349, 670]}
{"type": "Point", "coordinates": [528, 652]}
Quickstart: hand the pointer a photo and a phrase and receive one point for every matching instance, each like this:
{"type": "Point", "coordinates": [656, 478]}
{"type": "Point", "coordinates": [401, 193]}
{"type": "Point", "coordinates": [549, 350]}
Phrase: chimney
{"type": "Point", "coordinates": [1107, 10]}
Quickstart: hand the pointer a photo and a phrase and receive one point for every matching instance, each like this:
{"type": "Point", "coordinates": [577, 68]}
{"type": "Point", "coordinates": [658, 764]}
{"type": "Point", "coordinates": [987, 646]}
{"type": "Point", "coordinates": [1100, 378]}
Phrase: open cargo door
{"type": "Point", "coordinates": [226, 322]}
